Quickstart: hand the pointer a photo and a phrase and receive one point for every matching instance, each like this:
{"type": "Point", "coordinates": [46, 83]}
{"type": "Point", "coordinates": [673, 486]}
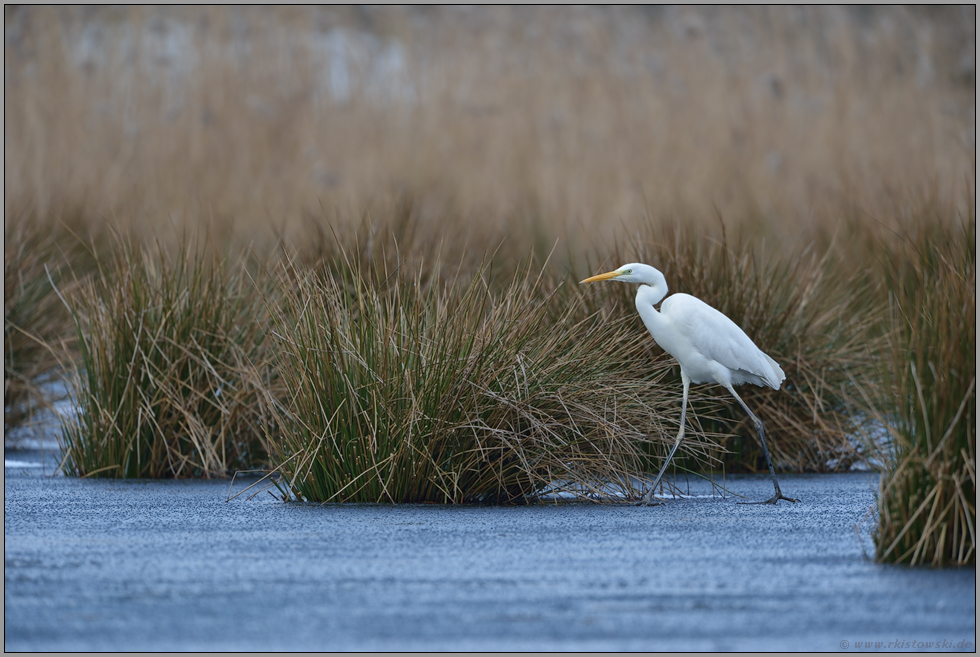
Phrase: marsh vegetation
{"type": "Point", "coordinates": [342, 243]}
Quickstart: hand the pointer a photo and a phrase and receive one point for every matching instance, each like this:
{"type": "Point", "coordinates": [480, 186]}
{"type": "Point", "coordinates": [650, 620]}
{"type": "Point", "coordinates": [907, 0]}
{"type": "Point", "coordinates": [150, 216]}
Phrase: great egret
{"type": "Point", "coordinates": [709, 347]}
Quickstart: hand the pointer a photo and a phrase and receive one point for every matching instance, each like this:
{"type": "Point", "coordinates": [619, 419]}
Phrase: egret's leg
{"type": "Point", "coordinates": [765, 450]}
{"type": "Point", "coordinates": [648, 498]}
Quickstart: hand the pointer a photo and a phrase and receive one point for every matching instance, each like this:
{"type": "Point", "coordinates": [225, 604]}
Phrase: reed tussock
{"type": "Point", "coordinates": [927, 496]}
{"type": "Point", "coordinates": [37, 255]}
{"type": "Point", "coordinates": [406, 392]}
{"type": "Point", "coordinates": [167, 352]}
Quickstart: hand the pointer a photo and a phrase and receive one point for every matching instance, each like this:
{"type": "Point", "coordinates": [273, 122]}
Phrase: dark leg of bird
{"type": "Point", "coordinates": [765, 450]}
{"type": "Point", "coordinates": [648, 498]}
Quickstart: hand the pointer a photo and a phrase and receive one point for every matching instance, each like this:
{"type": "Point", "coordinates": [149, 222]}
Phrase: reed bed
{"type": "Point", "coordinates": [553, 123]}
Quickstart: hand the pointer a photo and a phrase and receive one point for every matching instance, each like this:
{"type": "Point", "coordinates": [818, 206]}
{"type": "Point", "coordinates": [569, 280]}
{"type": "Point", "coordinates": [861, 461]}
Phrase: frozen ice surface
{"type": "Point", "coordinates": [171, 565]}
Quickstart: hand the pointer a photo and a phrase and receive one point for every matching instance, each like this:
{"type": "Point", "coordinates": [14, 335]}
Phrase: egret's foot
{"type": "Point", "coordinates": [648, 501]}
{"type": "Point", "coordinates": [775, 498]}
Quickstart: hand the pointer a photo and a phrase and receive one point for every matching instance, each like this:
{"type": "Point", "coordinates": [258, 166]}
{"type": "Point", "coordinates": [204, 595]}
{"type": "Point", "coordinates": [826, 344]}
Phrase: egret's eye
{"type": "Point", "coordinates": [629, 271]}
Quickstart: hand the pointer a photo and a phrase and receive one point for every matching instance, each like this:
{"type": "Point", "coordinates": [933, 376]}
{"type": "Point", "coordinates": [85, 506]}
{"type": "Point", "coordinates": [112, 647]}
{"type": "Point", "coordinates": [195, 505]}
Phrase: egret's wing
{"type": "Point", "coordinates": [717, 337]}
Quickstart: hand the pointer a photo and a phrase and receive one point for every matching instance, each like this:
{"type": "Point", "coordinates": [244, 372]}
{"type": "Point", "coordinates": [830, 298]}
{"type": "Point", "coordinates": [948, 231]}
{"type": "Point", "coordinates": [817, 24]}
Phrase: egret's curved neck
{"type": "Point", "coordinates": [646, 298]}
{"type": "Point", "coordinates": [651, 295]}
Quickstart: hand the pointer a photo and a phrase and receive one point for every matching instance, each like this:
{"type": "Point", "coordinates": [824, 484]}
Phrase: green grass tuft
{"type": "Point", "coordinates": [927, 496]}
{"type": "Point", "coordinates": [164, 380]}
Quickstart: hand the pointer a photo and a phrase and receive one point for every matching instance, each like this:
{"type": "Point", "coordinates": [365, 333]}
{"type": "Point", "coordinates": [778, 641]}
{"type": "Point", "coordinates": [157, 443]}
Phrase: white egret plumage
{"type": "Point", "coordinates": [709, 347]}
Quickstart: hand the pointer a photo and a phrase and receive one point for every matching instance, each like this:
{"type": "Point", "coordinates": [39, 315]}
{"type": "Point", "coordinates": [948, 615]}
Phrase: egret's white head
{"type": "Point", "coordinates": [635, 272]}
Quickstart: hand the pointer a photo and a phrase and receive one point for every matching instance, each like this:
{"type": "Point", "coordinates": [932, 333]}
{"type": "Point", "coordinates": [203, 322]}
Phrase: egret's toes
{"type": "Point", "coordinates": [774, 499]}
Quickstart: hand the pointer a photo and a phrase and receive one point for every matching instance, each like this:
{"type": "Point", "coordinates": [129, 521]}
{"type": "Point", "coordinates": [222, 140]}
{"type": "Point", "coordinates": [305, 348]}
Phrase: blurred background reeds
{"type": "Point", "coordinates": [568, 122]}
{"type": "Point", "coordinates": [363, 226]}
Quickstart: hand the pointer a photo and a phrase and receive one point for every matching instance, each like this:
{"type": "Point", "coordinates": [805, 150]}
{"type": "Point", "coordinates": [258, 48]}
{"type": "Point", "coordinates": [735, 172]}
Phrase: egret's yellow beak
{"type": "Point", "coordinates": [601, 277]}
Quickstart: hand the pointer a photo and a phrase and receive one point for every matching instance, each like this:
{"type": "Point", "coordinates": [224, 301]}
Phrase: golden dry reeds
{"type": "Point", "coordinates": [557, 122]}
{"type": "Point", "coordinates": [30, 320]}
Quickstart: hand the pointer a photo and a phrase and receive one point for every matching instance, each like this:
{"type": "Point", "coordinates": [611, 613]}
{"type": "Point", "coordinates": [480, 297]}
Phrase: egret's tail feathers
{"type": "Point", "coordinates": [775, 377]}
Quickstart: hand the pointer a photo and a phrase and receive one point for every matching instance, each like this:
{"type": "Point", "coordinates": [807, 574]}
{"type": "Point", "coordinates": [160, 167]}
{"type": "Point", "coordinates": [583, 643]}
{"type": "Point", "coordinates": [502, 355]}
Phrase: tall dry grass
{"type": "Point", "coordinates": [30, 319]}
{"type": "Point", "coordinates": [550, 122]}
{"type": "Point", "coordinates": [38, 255]}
